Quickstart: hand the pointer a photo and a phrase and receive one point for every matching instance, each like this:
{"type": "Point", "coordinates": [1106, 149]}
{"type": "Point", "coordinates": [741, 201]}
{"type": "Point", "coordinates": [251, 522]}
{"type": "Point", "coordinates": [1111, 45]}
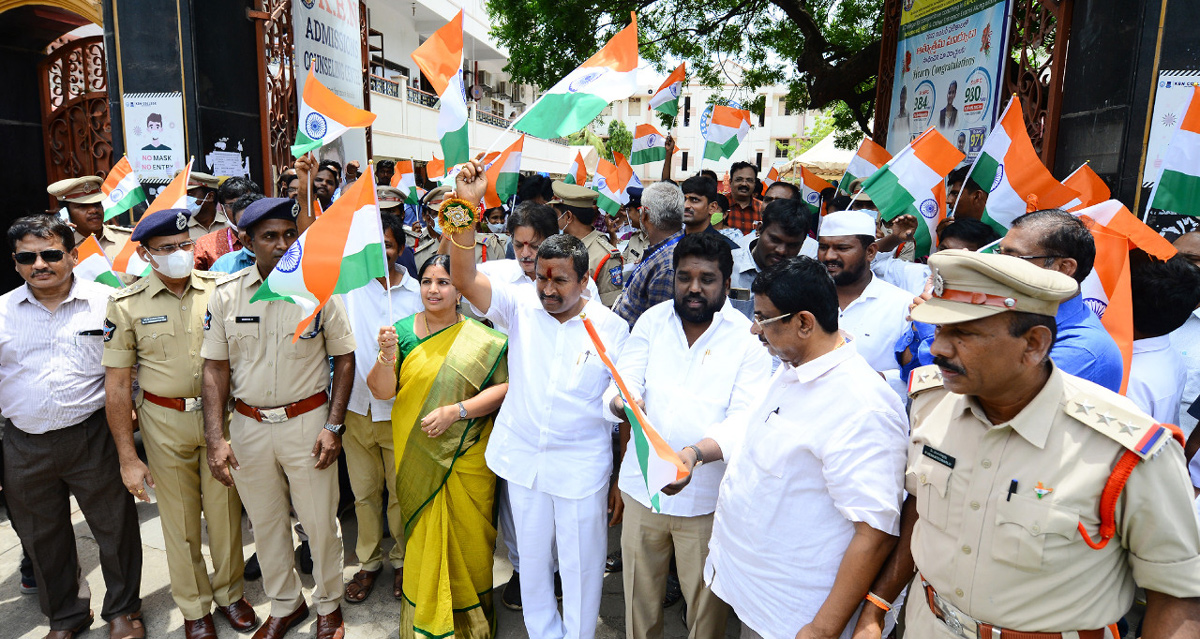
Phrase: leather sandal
{"type": "Point", "coordinates": [77, 630]}
{"type": "Point", "coordinates": [361, 585]}
{"type": "Point", "coordinates": [398, 584]}
{"type": "Point", "coordinates": [128, 626]}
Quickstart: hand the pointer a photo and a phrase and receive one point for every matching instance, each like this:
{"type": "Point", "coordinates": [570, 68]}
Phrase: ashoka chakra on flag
{"type": "Point", "coordinates": [315, 126]}
{"type": "Point", "coordinates": [290, 260]}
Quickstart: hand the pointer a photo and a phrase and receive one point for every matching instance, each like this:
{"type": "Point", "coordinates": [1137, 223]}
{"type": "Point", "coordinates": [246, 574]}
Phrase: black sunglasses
{"type": "Point", "coordinates": [26, 258]}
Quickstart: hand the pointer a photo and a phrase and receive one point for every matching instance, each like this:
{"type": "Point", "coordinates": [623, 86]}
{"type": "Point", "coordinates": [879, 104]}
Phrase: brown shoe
{"type": "Point", "coordinates": [201, 628]}
{"type": "Point", "coordinates": [77, 630]}
{"type": "Point", "coordinates": [330, 626]}
{"type": "Point", "coordinates": [240, 615]}
{"type": "Point", "coordinates": [276, 627]}
{"type": "Point", "coordinates": [128, 626]}
{"type": "Point", "coordinates": [398, 584]}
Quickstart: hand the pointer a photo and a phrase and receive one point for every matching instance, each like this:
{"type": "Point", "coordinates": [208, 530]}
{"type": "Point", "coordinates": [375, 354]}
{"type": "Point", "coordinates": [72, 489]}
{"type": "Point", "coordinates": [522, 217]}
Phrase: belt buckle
{"type": "Point", "coordinates": [273, 415]}
{"type": "Point", "coordinates": [950, 618]}
{"type": "Point", "coordinates": [192, 404]}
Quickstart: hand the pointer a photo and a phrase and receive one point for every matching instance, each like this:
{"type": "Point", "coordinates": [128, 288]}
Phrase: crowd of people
{"type": "Point", "coordinates": [857, 432]}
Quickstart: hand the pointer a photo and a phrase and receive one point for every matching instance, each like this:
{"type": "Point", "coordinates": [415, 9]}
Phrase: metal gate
{"type": "Point", "coordinates": [75, 118]}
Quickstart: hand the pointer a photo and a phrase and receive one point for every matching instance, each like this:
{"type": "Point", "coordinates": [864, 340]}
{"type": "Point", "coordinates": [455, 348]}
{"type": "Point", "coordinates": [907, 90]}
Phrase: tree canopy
{"type": "Point", "coordinates": [825, 51]}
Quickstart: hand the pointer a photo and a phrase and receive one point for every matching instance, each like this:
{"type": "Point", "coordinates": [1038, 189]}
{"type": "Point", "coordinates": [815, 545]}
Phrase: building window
{"type": "Point", "coordinates": [684, 166]}
{"type": "Point", "coordinates": [762, 117]}
{"type": "Point", "coordinates": [781, 147]}
{"type": "Point", "coordinates": [687, 110]}
{"type": "Point", "coordinates": [635, 105]}
{"type": "Point", "coordinates": [783, 107]}
{"type": "Point", "coordinates": [758, 160]}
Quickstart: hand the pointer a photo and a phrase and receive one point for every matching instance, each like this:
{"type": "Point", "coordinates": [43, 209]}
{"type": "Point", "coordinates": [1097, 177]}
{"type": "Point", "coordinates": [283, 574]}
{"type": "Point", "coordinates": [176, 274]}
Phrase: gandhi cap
{"type": "Point", "coordinates": [841, 223]}
{"type": "Point", "coordinates": [969, 286]}
{"type": "Point", "coordinates": [80, 190]}
{"type": "Point", "coordinates": [269, 208]}
{"type": "Point", "coordinates": [389, 197]}
{"type": "Point", "coordinates": [574, 195]}
{"type": "Point", "coordinates": [160, 224]}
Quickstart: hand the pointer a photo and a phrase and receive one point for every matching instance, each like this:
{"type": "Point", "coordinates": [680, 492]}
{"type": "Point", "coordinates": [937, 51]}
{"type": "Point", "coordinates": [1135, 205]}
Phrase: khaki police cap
{"type": "Point", "coordinates": [80, 190]}
{"type": "Point", "coordinates": [388, 197]}
{"type": "Point", "coordinates": [196, 179]}
{"type": "Point", "coordinates": [574, 195]}
{"type": "Point", "coordinates": [435, 196]}
{"type": "Point", "coordinates": [969, 286]}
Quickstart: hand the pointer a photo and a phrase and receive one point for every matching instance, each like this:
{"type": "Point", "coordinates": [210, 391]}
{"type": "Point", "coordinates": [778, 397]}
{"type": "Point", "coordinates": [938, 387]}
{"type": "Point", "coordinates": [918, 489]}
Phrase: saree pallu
{"type": "Point", "coordinates": [444, 486]}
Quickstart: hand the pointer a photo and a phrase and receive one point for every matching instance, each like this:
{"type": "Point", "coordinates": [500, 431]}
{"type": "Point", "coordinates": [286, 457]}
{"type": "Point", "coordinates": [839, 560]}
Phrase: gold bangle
{"type": "Point", "coordinates": [879, 602]}
{"type": "Point", "coordinates": [384, 360]}
{"type": "Point", "coordinates": [465, 248]}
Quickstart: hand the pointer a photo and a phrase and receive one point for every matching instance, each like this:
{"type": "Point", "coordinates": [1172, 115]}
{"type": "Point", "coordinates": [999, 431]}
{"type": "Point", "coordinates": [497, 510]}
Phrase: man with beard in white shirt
{"type": "Point", "coordinates": [809, 507]}
{"type": "Point", "coordinates": [699, 368]}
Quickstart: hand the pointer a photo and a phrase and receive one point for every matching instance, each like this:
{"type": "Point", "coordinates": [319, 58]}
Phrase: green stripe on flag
{"type": "Point", "coordinates": [885, 188]}
{"type": "Point", "coordinates": [131, 199]}
{"type": "Point", "coordinates": [303, 144]}
{"type": "Point", "coordinates": [984, 176]}
{"type": "Point", "coordinates": [646, 156]}
{"type": "Point", "coordinates": [265, 294]}
{"type": "Point", "coordinates": [455, 147]}
{"type": "Point", "coordinates": [719, 151]}
{"type": "Point", "coordinates": [360, 268]}
{"type": "Point", "coordinates": [608, 205]}
{"type": "Point", "coordinates": [641, 446]}
{"type": "Point", "coordinates": [670, 107]}
{"type": "Point", "coordinates": [922, 238]}
{"type": "Point", "coordinates": [560, 114]}
{"type": "Point", "coordinates": [1178, 193]}
{"type": "Point", "coordinates": [108, 278]}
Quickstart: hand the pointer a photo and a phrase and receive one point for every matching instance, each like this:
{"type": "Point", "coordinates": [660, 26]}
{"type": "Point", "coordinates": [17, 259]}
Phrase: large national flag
{"type": "Point", "coordinates": [612, 183]}
{"type": "Point", "coordinates": [1091, 188]}
{"type": "Point", "coordinates": [1178, 188]}
{"type": "Point", "coordinates": [610, 74]}
{"type": "Point", "coordinates": [122, 190]}
{"type": "Point", "coordinates": [657, 461]}
{"type": "Point", "coordinates": [577, 172]}
{"type": "Point", "coordinates": [405, 179]}
{"type": "Point", "coordinates": [440, 59]}
{"type": "Point", "coordinates": [173, 196]}
{"type": "Point", "coordinates": [649, 145]}
{"type": "Point", "coordinates": [341, 251]}
{"type": "Point", "coordinates": [1009, 168]}
{"type": "Point", "coordinates": [666, 98]}
{"type": "Point", "coordinates": [870, 158]}
{"type": "Point", "coordinates": [810, 190]}
{"type": "Point", "coordinates": [913, 182]}
{"type": "Point", "coordinates": [726, 130]}
{"type": "Point", "coordinates": [1108, 292]}
{"type": "Point", "coordinates": [324, 117]}
{"type": "Point", "coordinates": [93, 265]}
{"type": "Point", "coordinates": [503, 174]}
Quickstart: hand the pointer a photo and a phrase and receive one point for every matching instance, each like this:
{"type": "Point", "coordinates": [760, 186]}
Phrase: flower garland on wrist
{"type": "Point", "coordinates": [456, 215]}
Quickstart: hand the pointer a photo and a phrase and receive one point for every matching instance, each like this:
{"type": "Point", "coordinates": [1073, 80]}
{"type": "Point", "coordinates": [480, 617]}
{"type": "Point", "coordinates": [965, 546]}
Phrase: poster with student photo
{"type": "Point", "coordinates": [154, 134]}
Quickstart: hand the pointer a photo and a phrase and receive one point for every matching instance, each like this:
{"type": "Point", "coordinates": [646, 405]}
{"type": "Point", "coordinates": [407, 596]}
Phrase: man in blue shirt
{"type": "Point", "coordinates": [233, 262]}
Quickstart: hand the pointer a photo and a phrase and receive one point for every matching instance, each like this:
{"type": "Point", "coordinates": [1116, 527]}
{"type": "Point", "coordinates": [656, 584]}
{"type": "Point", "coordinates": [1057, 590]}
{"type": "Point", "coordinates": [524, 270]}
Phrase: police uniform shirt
{"type": "Point", "coordinates": [488, 247]}
{"type": "Point", "coordinates": [111, 238]}
{"type": "Point", "coordinates": [267, 369]}
{"type": "Point", "coordinates": [1019, 561]}
{"type": "Point", "coordinates": [149, 326]}
{"type": "Point", "coordinates": [196, 231]}
{"type": "Point", "coordinates": [606, 272]}
{"type": "Point", "coordinates": [635, 248]}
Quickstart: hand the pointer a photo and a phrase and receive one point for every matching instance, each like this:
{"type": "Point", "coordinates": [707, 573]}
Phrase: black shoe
{"type": "Point", "coordinates": [304, 558]}
{"type": "Point", "coordinates": [253, 571]}
{"type": "Point", "coordinates": [674, 592]}
{"type": "Point", "coordinates": [512, 593]}
{"type": "Point", "coordinates": [557, 586]}
{"type": "Point", "coordinates": [613, 563]}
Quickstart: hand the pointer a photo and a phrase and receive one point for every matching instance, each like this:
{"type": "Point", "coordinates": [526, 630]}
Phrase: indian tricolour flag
{"type": "Point", "coordinates": [172, 196]}
{"type": "Point", "coordinates": [503, 173]}
{"type": "Point", "coordinates": [122, 190]}
{"type": "Point", "coordinates": [93, 265]}
{"type": "Point", "coordinates": [612, 182]}
{"type": "Point", "coordinates": [811, 187]}
{"type": "Point", "coordinates": [913, 183]}
{"type": "Point", "coordinates": [1010, 169]}
{"type": "Point", "coordinates": [610, 74]}
{"type": "Point", "coordinates": [656, 459]}
{"type": "Point", "coordinates": [649, 145]}
{"type": "Point", "coordinates": [341, 251]}
{"type": "Point", "coordinates": [440, 59]}
{"type": "Point", "coordinates": [1091, 188]}
{"type": "Point", "coordinates": [1178, 188]}
{"type": "Point", "coordinates": [405, 179]}
{"type": "Point", "coordinates": [870, 158]}
{"type": "Point", "coordinates": [726, 130]}
{"type": "Point", "coordinates": [770, 178]}
{"type": "Point", "coordinates": [577, 172]}
{"type": "Point", "coordinates": [666, 98]}
{"type": "Point", "coordinates": [324, 117]}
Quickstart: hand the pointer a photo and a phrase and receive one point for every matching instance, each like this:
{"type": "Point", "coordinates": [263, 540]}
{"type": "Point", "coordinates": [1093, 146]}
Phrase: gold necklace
{"type": "Point", "coordinates": [425, 321]}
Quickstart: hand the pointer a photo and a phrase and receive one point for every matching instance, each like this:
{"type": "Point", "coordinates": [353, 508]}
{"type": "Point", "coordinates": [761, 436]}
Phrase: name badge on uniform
{"type": "Point", "coordinates": [157, 319]}
{"type": "Point", "coordinates": [246, 319]}
{"type": "Point", "coordinates": [739, 294]}
{"type": "Point", "coordinates": [938, 456]}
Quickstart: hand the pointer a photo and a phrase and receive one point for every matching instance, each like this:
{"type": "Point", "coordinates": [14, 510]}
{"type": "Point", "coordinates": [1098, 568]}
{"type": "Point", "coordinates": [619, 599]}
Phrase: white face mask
{"type": "Point", "coordinates": [496, 228]}
{"type": "Point", "coordinates": [194, 204]}
{"type": "Point", "coordinates": [176, 265]}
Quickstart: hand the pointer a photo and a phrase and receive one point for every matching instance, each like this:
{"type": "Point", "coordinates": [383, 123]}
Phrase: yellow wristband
{"type": "Point", "coordinates": [875, 599]}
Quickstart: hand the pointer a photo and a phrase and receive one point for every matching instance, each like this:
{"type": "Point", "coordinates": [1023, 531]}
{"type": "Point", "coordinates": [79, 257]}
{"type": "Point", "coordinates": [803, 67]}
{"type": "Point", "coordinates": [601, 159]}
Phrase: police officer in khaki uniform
{"type": "Point", "coordinates": [285, 432]}
{"type": "Point", "coordinates": [1008, 460]}
{"type": "Point", "coordinates": [488, 246]}
{"type": "Point", "coordinates": [577, 212]}
{"type": "Point", "coordinates": [156, 325]}
{"type": "Point", "coordinates": [82, 197]}
{"type": "Point", "coordinates": [209, 215]}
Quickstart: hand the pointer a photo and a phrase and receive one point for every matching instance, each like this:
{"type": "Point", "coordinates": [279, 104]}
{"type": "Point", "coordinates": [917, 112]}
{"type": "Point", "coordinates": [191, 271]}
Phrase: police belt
{"type": "Point", "coordinates": [181, 404]}
{"type": "Point", "coordinates": [967, 627]}
{"type": "Point", "coordinates": [281, 414]}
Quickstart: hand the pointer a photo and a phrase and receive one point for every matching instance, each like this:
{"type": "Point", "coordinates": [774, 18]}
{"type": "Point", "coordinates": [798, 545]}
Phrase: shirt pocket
{"type": "Point", "coordinates": [243, 339]}
{"type": "Point", "coordinates": [768, 448]}
{"type": "Point", "coordinates": [1024, 528]}
{"type": "Point", "coordinates": [155, 342]}
{"type": "Point", "coordinates": [932, 481]}
{"type": "Point", "coordinates": [305, 348]}
{"type": "Point", "coordinates": [588, 375]}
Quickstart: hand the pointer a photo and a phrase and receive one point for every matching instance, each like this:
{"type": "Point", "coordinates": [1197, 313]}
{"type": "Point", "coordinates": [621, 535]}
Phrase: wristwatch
{"type": "Point", "coordinates": [336, 429]}
{"type": "Point", "coordinates": [699, 455]}
{"type": "Point", "coordinates": [462, 411]}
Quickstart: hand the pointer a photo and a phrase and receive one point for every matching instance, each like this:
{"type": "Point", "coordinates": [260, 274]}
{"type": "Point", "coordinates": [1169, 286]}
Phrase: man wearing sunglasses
{"type": "Point", "coordinates": [157, 325]}
{"type": "Point", "coordinates": [81, 197]}
{"type": "Point", "coordinates": [57, 443]}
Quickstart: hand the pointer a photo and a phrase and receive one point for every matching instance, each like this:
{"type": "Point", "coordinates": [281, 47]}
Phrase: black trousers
{"type": "Point", "coordinates": [41, 472]}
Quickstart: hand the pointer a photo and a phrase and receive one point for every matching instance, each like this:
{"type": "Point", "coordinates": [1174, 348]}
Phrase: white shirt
{"type": "Point", "coordinates": [550, 435]}
{"type": "Point", "coordinates": [1186, 341]}
{"type": "Point", "coordinates": [876, 319]}
{"type": "Point", "coordinates": [824, 448]}
{"type": "Point", "coordinates": [1156, 376]}
{"type": "Point", "coordinates": [367, 308]}
{"type": "Point", "coordinates": [509, 271]}
{"type": "Point", "coordinates": [50, 371]}
{"type": "Point", "coordinates": [690, 393]}
{"type": "Point", "coordinates": [909, 276]}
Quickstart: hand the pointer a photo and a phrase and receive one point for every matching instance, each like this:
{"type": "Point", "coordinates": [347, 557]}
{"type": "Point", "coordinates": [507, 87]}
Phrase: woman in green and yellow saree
{"type": "Point", "coordinates": [449, 376]}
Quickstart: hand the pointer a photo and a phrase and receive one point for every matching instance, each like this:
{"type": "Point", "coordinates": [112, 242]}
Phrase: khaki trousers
{"type": "Point", "coordinates": [371, 464]}
{"type": "Point", "coordinates": [646, 543]}
{"type": "Point", "coordinates": [278, 474]}
{"type": "Point", "coordinates": [184, 487]}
